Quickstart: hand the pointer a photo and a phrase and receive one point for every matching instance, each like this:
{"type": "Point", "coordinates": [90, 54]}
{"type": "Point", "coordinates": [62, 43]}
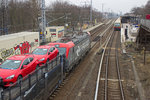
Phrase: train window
{"type": "Point", "coordinates": [62, 51]}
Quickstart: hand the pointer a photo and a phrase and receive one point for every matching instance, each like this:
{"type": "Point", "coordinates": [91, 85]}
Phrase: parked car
{"type": "Point", "coordinates": [45, 53]}
{"type": "Point", "coordinates": [15, 68]}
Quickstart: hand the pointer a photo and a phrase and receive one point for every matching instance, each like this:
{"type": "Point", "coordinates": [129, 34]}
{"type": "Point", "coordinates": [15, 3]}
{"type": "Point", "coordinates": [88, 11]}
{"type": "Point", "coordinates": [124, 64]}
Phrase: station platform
{"type": "Point", "coordinates": [93, 27]}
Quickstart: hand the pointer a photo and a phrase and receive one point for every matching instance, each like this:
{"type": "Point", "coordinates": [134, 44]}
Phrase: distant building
{"type": "Point", "coordinates": [54, 33]}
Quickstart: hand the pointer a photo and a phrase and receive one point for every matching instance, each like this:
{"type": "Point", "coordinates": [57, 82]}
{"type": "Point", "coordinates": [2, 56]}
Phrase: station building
{"type": "Point", "coordinates": [54, 33]}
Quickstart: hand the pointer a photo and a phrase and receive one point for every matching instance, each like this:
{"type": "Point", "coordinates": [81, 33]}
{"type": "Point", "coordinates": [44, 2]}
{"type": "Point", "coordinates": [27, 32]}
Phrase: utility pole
{"type": "Point", "coordinates": [43, 21]}
{"type": "Point", "coordinates": [91, 13]}
{"type": "Point", "coordinates": [102, 9]}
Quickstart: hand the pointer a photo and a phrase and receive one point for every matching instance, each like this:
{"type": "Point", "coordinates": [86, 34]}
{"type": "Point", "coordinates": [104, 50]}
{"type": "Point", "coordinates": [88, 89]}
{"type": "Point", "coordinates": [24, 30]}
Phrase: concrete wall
{"type": "Point", "coordinates": [145, 23]}
{"type": "Point", "coordinates": [18, 43]}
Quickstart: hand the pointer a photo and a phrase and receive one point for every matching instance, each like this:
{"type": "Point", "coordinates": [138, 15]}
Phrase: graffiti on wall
{"type": "Point", "coordinates": [6, 52]}
{"type": "Point", "coordinates": [21, 48]}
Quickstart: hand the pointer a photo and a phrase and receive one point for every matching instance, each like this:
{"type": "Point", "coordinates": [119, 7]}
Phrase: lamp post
{"type": "Point", "coordinates": [43, 21]}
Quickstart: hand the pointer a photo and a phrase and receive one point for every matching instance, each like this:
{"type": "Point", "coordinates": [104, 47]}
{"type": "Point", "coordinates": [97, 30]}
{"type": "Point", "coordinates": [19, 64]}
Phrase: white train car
{"type": "Point", "coordinates": [54, 33]}
{"type": "Point", "coordinates": [18, 43]}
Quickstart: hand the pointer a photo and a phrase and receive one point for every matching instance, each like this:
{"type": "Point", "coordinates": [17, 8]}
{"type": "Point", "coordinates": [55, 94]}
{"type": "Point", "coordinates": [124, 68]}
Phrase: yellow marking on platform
{"type": "Point", "coordinates": [103, 79]}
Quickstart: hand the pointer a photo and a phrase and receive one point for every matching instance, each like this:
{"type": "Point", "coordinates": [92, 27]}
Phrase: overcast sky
{"type": "Point", "coordinates": [117, 6]}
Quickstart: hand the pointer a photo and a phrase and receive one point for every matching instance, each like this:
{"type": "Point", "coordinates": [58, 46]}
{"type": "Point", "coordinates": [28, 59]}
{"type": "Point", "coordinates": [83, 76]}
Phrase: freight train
{"type": "Point", "coordinates": [74, 48]}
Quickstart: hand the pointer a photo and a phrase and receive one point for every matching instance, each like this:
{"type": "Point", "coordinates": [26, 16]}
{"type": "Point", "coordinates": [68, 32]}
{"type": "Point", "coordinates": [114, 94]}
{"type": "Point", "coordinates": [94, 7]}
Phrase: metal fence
{"type": "Point", "coordinates": [45, 78]}
{"type": "Point", "coordinates": [145, 23]}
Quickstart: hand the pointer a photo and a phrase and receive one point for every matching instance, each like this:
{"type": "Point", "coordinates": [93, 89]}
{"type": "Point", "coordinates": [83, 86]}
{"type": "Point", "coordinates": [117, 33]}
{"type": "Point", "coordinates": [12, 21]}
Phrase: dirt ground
{"type": "Point", "coordinates": [142, 69]}
{"type": "Point", "coordinates": [128, 79]}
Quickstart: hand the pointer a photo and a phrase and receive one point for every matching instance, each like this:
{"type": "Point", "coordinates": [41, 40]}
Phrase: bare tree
{"type": "Point", "coordinates": [23, 14]}
{"type": "Point", "coordinates": [142, 10]}
{"type": "Point", "coordinates": [70, 14]}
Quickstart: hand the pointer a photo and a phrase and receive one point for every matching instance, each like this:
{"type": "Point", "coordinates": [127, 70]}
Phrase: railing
{"type": "Point", "coordinates": [45, 78]}
{"type": "Point", "coordinates": [145, 23]}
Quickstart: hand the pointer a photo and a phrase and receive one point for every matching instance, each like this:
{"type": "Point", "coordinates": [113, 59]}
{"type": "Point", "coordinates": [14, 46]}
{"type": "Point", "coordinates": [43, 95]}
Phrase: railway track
{"type": "Point", "coordinates": [101, 34]}
{"type": "Point", "coordinates": [109, 83]}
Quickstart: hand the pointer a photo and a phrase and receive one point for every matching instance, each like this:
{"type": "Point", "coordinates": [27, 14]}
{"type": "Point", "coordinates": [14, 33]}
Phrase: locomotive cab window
{"type": "Point", "coordinates": [62, 51]}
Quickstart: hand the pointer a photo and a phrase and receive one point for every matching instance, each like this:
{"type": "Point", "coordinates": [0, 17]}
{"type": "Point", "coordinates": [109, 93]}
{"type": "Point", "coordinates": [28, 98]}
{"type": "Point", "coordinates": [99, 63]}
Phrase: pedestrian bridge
{"type": "Point", "coordinates": [143, 37]}
{"type": "Point", "coordinates": [145, 24]}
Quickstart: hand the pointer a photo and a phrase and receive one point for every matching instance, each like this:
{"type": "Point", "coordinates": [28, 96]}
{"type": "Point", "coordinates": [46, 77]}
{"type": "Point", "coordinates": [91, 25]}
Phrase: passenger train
{"type": "Point", "coordinates": [117, 25]}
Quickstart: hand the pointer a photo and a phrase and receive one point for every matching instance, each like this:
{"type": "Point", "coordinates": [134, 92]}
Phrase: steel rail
{"type": "Point", "coordinates": [118, 71]}
{"type": "Point", "coordinates": [99, 72]}
{"type": "Point", "coordinates": [103, 33]}
{"type": "Point", "coordinates": [107, 65]}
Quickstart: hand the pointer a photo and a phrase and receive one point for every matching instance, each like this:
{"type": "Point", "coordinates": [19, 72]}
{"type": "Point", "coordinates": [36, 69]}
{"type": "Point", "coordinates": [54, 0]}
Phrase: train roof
{"type": "Point", "coordinates": [61, 45]}
{"type": "Point", "coordinates": [70, 41]}
{"type": "Point", "coordinates": [76, 39]}
{"type": "Point", "coordinates": [118, 20]}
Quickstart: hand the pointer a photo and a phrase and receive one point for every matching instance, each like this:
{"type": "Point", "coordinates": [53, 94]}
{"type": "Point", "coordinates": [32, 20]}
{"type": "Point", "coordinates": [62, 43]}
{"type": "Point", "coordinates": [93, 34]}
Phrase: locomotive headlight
{"type": "Point", "coordinates": [42, 59]}
{"type": "Point", "coordinates": [10, 77]}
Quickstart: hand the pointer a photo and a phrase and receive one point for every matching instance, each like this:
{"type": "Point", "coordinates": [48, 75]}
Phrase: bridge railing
{"type": "Point", "coordinates": [145, 23]}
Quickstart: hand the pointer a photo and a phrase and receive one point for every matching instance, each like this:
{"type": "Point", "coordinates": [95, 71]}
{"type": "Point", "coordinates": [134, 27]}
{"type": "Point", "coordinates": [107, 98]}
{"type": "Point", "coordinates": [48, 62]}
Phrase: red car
{"type": "Point", "coordinates": [15, 68]}
{"type": "Point", "coordinates": [45, 53]}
